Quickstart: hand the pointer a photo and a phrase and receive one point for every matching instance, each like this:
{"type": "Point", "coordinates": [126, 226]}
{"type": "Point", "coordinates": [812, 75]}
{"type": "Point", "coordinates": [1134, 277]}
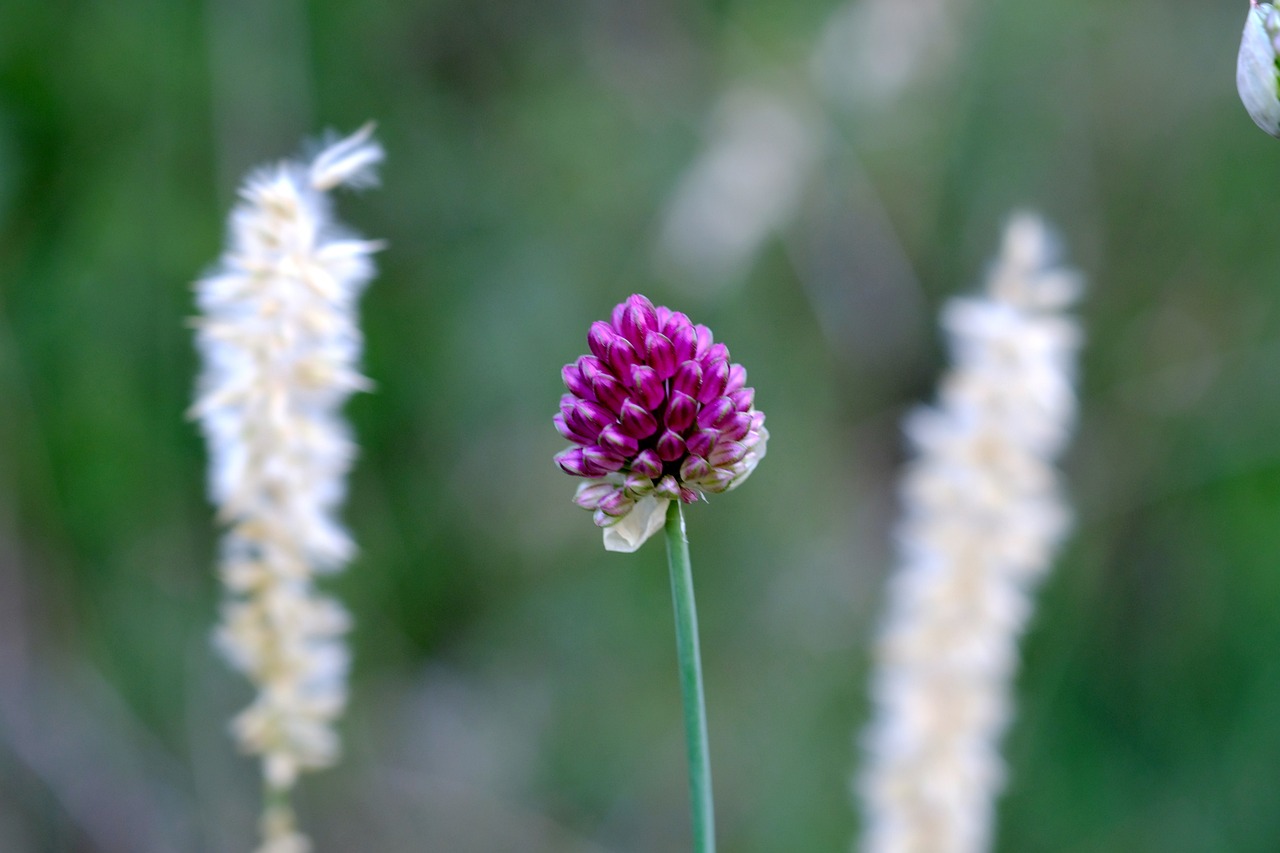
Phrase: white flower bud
{"type": "Point", "coordinates": [1257, 75]}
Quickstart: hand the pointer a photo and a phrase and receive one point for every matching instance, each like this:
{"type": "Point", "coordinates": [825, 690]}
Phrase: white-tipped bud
{"type": "Point", "coordinates": [1257, 75]}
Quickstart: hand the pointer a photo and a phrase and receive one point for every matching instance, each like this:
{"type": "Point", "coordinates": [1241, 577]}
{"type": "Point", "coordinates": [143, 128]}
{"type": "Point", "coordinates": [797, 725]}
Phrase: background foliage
{"type": "Point", "coordinates": [515, 686]}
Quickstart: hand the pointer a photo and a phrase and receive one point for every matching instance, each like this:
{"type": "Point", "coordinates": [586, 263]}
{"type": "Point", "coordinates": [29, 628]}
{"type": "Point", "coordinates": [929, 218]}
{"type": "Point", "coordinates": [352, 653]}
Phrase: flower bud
{"type": "Point", "coordinates": [649, 390]}
{"type": "Point", "coordinates": [1257, 77]}
{"type": "Point", "coordinates": [681, 411]}
{"type": "Point", "coordinates": [636, 421]}
{"type": "Point", "coordinates": [670, 446]}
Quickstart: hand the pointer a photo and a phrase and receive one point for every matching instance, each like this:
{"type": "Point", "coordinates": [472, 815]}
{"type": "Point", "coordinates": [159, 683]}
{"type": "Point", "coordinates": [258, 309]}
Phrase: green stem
{"type": "Point", "coordinates": [695, 707]}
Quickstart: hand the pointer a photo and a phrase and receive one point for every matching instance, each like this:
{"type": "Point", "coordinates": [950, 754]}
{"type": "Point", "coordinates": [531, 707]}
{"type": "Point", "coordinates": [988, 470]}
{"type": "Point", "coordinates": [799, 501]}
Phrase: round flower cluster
{"type": "Point", "coordinates": [656, 413]}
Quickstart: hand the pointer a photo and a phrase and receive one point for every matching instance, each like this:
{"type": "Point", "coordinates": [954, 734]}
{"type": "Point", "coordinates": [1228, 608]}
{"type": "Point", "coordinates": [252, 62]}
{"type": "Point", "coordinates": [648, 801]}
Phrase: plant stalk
{"type": "Point", "coordinates": [695, 708]}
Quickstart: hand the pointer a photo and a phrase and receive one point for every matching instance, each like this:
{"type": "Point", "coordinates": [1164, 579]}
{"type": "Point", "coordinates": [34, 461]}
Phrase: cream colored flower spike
{"type": "Point", "coordinates": [280, 347]}
{"type": "Point", "coordinates": [982, 519]}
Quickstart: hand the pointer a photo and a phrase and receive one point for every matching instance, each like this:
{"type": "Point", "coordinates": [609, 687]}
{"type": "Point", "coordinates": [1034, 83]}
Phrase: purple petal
{"type": "Point", "coordinates": [588, 418]}
{"type": "Point", "coordinates": [590, 367]}
{"type": "Point", "coordinates": [667, 488]}
{"type": "Point", "coordinates": [615, 317]}
{"type": "Point", "coordinates": [596, 456]}
{"type": "Point", "coordinates": [649, 391]}
{"type": "Point", "coordinates": [647, 464]}
{"type": "Point", "coordinates": [702, 442]}
{"type": "Point", "coordinates": [622, 356]}
{"type": "Point", "coordinates": [670, 446]}
{"type": "Point", "coordinates": [678, 320]}
{"type": "Point", "coordinates": [705, 340]}
{"type": "Point", "coordinates": [736, 427]}
{"type": "Point", "coordinates": [573, 380]}
{"type": "Point", "coordinates": [714, 378]}
{"type": "Point", "coordinates": [638, 485]}
{"type": "Point", "coordinates": [616, 504]}
{"type": "Point", "coordinates": [688, 496]}
{"type": "Point", "coordinates": [638, 320]}
{"type": "Point", "coordinates": [688, 379]}
{"type": "Point", "coordinates": [590, 494]}
{"type": "Point", "coordinates": [742, 398]}
{"type": "Point", "coordinates": [609, 391]}
{"type": "Point", "coordinates": [684, 339]}
{"type": "Point", "coordinates": [601, 519]}
{"type": "Point", "coordinates": [737, 378]}
{"type": "Point", "coordinates": [562, 427]}
{"type": "Point", "coordinates": [614, 440]}
{"type": "Point", "coordinates": [660, 353]}
{"type": "Point", "coordinates": [637, 422]}
{"type": "Point", "coordinates": [715, 413]}
{"type": "Point", "coordinates": [727, 453]}
{"type": "Point", "coordinates": [681, 411]}
{"type": "Point", "coordinates": [716, 352]}
{"type": "Point", "coordinates": [571, 462]}
{"type": "Point", "coordinates": [599, 337]}
{"type": "Point", "coordinates": [694, 468]}
{"type": "Point", "coordinates": [664, 316]}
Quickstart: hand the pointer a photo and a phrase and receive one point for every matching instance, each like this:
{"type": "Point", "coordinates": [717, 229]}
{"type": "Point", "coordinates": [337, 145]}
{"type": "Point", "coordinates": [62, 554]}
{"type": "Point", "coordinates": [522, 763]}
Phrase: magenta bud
{"type": "Point", "coordinates": [685, 340]}
{"type": "Point", "coordinates": [599, 457]}
{"type": "Point", "coordinates": [736, 427]}
{"type": "Point", "coordinates": [609, 391]}
{"type": "Point", "coordinates": [571, 462]}
{"type": "Point", "coordinates": [720, 480]}
{"type": "Point", "coordinates": [575, 383]}
{"type": "Point", "coordinates": [588, 418]}
{"type": "Point", "coordinates": [688, 379]}
{"type": "Point", "coordinates": [601, 519]}
{"type": "Point", "coordinates": [717, 352]}
{"type": "Point", "coordinates": [660, 353]}
{"type": "Point", "coordinates": [757, 421]}
{"type": "Point", "coordinates": [677, 320]}
{"type": "Point", "coordinates": [614, 440]}
{"type": "Point", "coordinates": [637, 422]}
{"type": "Point", "coordinates": [637, 485]}
{"type": "Point", "coordinates": [681, 411]}
{"type": "Point", "coordinates": [599, 337]}
{"type": "Point", "coordinates": [702, 442]}
{"type": "Point", "coordinates": [694, 468]}
{"type": "Point", "coordinates": [667, 488]}
{"type": "Point", "coordinates": [704, 341]}
{"type": "Point", "coordinates": [589, 495]}
{"type": "Point", "coordinates": [688, 496]}
{"type": "Point", "coordinates": [622, 356]}
{"type": "Point", "coordinates": [737, 378]}
{"type": "Point", "coordinates": [590, 367]}
{"type": "Point", "coordinates": [670, 446]}
{"type": "Point", "coordinates": [715, 413]}
{"type": "Point", "coordinates": [563, 428]}
{"type": "Point", "coordinates": [647, 464]}
{"type": "Point", "coordinates": [638, 320]}
{"type": "Point", "coordinates": [616, 504]}
{"type": "Point", "coordinates": [615, 318]}
{"type": "Point", "coordinates": [649, 391]}
{"type": "Point", "coordinates": [727, 453]}
{"type": "Point", "coordinates": [664, 316]}
{"type": "Point", "coordinates": [715, 377]}
{"type": "Point", "coordinates": [742, 398]}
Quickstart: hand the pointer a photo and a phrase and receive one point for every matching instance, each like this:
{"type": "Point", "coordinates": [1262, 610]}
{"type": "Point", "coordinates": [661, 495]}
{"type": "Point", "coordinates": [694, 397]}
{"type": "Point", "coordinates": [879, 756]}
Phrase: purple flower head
{"type": "Point", "coordinates": [656, 412]}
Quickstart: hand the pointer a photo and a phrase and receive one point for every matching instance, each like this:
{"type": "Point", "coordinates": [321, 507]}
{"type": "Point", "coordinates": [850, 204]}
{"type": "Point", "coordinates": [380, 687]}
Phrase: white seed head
{"type": "Point", "coordinates": [983, 516]}
{"type": "Point", "coordinates": [280, 346]}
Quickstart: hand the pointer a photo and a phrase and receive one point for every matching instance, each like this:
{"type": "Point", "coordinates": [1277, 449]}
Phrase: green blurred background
{"type": "Point", "coordinates": [812, 180]}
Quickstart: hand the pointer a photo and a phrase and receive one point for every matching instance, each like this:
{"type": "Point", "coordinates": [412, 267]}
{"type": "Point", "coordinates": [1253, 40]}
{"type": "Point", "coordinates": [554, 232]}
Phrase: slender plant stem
{"type": "Point", "coordinates": [695, 707]}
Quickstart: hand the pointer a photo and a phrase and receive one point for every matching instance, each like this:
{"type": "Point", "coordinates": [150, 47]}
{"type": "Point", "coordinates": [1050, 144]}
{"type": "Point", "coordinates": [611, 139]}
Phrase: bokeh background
{"type": "Point", "coordinates": [812, 179]}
